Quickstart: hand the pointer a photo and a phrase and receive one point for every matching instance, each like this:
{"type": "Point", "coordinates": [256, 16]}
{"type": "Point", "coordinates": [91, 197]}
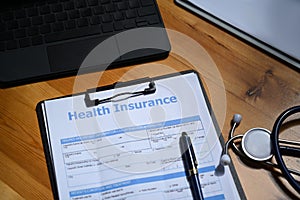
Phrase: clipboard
{"type": "Point", "coordinates": [64, 152]}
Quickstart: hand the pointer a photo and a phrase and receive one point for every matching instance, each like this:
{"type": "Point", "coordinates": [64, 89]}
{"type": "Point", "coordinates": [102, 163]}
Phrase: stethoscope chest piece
{"type": "Point", "coordinates": [256, 144]}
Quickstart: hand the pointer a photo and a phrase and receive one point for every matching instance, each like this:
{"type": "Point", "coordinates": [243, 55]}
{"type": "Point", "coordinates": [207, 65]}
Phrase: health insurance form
{"type": "Point", "coordinates": [130, 149]}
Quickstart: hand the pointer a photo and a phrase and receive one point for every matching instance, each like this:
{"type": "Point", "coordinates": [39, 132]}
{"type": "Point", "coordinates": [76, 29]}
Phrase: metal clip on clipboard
{"type": "Point", "coordinates": [120, 97]}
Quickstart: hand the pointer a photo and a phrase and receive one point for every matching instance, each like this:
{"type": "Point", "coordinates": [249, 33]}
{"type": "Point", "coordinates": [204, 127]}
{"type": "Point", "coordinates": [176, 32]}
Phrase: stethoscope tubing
{"type": "Point", "coordinates": [276, 146]}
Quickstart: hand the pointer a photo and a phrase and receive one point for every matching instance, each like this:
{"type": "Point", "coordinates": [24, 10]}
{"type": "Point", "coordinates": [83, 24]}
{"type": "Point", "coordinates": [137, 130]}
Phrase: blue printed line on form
{"type": "Point", "coordinates": [216, 197]}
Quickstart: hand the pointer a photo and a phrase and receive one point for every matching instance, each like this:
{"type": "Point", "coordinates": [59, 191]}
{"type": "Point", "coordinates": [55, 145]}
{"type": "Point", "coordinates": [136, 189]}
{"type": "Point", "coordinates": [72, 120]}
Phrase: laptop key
{"type": "Point", "coordinates": [70, 24]}
{"type": "Point", "coordinates": [118, 16]}
{"type": "Point", "coordinates": [73, 14]}
{"type": "Point", "coordinates": [107, 18]}
{"type": "Point", "coordinates": [58, 26]}
{"type": "Point", "coordinates": [37, 40]}
{"type": "Point", "coordinates": [69, 5]}
{"type": "Point", "coordinates": [146, 11]}
{"type": "Point", "coordinates": [147, 2]}
{"type": "Point", "coordinates": [122, 5]}
{"type": "Point", "coordinates": [2, 26]}
{"type": "Point", "coordinates": [82, 22]}
{"type": "Point", "coordinates": [25, 22]}
{"type": "Point", "coordinates": [56, 8]}
{"type": "Point", "coordinates": [98, 10]}
{"type": "Point", "coordinates": [130, 14]}
{"type": "Point", "coordinates": [104, 1]}
{"type": "Point", "coordinates": [4, 36]}
{"type": "Point", "coordinates": [49, 18]}
{"type": "Point", "coordinates": [92, 2]}
{"type": "Point", "coordinates": [107, 28]}
{"type": "Point", "coordinates": [110, 8]}
{"type": "Point", "coordinates": [20, 14]}
{"type": "Point", "coordinates": [25, 42]}
{"type": "Point", "coordinates": [20, 33]}
{"type": "Point", "coordinates": [118, 25]}
{"type": "Point", "coordinates": [80, 4]}
{"type": "Point", "coordinates": [95, 20]}
{"type": "Point", "coordinates": [129, 24]}
{"type": "Point", "coordinates": [12, 25]}
{"type": "Point", "coordinates": [33, 31]}
{"type": "Point", "coordinates": [2, 46]}
{"type": "Point", "coordinates": [37, 20]}
{"type": "Point", "coordinates": [141, 22]}
{"type": "Point", "coordinates": [134, 3]}
{"type": "Point", "coordinates": [45, 10]}
{"type": "Point", "coordinates": [32, 12]}
{"type": "Point", "coordinates": [12, 44]}
{"type": "Point", "coordinates": [61, 16]}
{"type": "Point", "coordinates": [45, 29]}
{"type": "Point", "coordinates": [153, 20]}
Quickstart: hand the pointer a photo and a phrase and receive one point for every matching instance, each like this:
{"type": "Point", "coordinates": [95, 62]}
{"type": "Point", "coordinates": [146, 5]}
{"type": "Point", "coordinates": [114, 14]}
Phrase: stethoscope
{"type": "Point", "coordinates": [260, 145]}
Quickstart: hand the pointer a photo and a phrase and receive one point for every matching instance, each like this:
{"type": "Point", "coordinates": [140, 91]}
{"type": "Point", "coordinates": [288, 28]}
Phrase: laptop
{"type": "Point", "coordinates": [272, 25]}
{"type": "Point", "coordinates": [45, 39]}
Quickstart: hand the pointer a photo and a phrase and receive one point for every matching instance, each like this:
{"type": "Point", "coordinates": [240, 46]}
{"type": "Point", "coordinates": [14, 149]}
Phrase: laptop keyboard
{"type": "Point", "coordinates": [43, 22]}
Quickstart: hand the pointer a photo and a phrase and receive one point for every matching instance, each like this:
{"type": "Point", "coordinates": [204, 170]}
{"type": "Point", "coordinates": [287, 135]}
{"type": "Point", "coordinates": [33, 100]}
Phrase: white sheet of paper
{"type": "Point", "coordinates": [130, 149]}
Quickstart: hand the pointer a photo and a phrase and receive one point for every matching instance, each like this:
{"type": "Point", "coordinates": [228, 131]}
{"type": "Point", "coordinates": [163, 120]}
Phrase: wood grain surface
{"type": "Point", "coordinates": [252, 83]}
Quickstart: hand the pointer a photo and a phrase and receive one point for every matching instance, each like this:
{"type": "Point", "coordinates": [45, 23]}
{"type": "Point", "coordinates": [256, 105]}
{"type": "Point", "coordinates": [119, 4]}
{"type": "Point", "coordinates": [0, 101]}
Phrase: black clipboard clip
{"type": "Point", "coordinates": [119, 97]}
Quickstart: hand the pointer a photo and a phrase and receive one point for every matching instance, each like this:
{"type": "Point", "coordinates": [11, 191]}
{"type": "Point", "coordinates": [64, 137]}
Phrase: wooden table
{"type": "Point", "coordinates": [255, 84]}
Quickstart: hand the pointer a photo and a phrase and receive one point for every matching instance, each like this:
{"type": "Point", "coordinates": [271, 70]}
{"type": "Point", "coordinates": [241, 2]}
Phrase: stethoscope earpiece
{"type": "Point", "coordinates": [237, 118]}
{"type": "Point", "coordinates": [225, 160]}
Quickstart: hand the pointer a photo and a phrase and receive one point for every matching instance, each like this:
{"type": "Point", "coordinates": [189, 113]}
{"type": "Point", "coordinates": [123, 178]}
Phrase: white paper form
{"type": "Point", "coordinates": [130, 149]}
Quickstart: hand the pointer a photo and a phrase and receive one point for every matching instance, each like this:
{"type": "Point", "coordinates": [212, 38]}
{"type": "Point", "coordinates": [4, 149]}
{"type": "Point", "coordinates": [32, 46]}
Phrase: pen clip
{"type": "Point", "coordinates": [119, 97]}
